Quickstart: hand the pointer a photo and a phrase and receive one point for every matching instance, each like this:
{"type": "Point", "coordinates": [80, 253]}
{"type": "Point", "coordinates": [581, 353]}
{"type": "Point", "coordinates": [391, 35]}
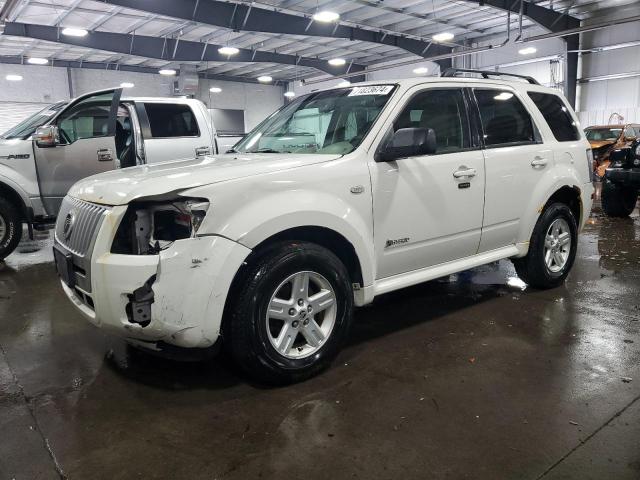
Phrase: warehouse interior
{"type": "Point", "coordinates": [471, 375]}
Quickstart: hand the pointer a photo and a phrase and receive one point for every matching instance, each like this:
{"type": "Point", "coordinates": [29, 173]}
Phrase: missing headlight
{"type": "Point", "coordinates": [149, 227]}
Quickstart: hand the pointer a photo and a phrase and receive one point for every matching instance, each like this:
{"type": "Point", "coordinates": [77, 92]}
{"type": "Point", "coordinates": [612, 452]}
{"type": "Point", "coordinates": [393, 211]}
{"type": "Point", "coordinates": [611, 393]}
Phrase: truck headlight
{"type": "Point", "coordinates": [149, 227]}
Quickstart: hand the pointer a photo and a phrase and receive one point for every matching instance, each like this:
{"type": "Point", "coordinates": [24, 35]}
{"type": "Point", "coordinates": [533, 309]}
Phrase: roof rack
{"type": "Point", "coordinates": [453, 72]}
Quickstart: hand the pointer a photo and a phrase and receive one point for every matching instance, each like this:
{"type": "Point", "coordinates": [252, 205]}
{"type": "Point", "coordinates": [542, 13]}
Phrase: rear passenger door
{"type": "Point", "coordinates": [515, 161]}
{"type": "Point", "coordinates": [171, 132]}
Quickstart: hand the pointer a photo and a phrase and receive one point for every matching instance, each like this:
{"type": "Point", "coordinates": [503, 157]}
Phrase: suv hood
{"type": "Point", "coordinates": [119, 187]}
{"type": "Point", "coordinates": [600, 143]}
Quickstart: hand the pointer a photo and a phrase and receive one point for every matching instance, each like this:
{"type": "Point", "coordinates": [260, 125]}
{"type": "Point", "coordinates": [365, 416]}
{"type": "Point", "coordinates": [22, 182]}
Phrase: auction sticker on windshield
{"type": "Point", "coordinates": [371, 90]}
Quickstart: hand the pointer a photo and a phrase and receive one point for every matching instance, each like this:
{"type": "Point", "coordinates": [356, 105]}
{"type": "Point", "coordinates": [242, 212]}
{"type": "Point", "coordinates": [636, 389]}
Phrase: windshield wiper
{"type": "Point", "coordinates": [269, 150]}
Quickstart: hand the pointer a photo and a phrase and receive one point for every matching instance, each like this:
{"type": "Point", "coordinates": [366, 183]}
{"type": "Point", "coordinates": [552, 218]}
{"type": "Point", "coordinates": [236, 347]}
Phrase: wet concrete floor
{"type": "Point", "coordinates": [469, 376]}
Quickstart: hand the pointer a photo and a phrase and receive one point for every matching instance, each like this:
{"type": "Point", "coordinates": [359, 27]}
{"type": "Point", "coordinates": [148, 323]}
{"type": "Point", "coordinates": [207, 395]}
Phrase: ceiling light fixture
{"type": "Point", "coordinates": [344, 83]}
{"type": "Point", "coordinates": [326, 16]}
{"type": "Point", "coordinates": [37, 61]}
{"type": "Point", "coordinates": [265, 79]}
{"type": "Point", "coordinates": [228, 50]}
{"type": "Point", "coordinates": [289, 94]}
{"type": "Point", "coordinates": [443, 37]}
{"type": "Point", "coordinates": [337, 62]}
{"type": "Point", "coordinates": [127, 85]}
{"type": "Point", "coordinates": [527, 50]}
{"type": "Point", "coordinates": [167, 71]}
{"type": "Point", "coordinates": [13, 78]}
{"type": "Point", "coordinates": [215, 89]}
{"type": "Point", "coordinates": [74, 32]}
{"type": "Point", "coordinates": [420, 70]}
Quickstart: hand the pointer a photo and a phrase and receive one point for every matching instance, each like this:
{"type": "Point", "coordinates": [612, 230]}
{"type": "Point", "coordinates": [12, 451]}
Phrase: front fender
{"type": "Point", "coordinates": [251, 211]}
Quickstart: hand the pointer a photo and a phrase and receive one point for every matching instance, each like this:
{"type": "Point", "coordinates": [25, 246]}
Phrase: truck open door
{"type": "Point", "coordinates": [78, 142]}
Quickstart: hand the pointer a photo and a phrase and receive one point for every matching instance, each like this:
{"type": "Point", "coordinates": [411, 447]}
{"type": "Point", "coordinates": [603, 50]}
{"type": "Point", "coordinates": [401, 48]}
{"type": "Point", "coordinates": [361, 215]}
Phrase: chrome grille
{"type": "Point", "coordinates": [77, 224]}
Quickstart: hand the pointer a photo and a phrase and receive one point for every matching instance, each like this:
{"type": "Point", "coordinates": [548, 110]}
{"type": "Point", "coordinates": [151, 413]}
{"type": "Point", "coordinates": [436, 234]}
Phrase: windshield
{"type": "Point", "coordinates": [25, 128]}
{"type": "Point", "coordinates": [603, 133]}
{"type": "Point", "coordinates": [333, 121]}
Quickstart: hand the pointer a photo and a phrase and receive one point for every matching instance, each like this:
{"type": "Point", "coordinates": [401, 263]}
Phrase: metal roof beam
{"type": "Point", "coordinates": [243, 17]}
{"type": "Point", "coordinates": [168, 49]}
{"type": "Point", "coordinates": [17, 60]}
{"type": "Point", "coordinates": [545, 17]}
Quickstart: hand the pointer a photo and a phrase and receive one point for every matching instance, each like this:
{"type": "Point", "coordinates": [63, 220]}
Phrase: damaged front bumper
{"type": "Point", "coordinates": [175, 297]}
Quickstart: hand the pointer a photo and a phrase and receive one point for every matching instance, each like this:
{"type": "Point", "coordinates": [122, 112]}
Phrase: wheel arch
{"type": "Point", "coordinates": [11, 194]}
{"type": "Point", "coordinates": [564, 192]}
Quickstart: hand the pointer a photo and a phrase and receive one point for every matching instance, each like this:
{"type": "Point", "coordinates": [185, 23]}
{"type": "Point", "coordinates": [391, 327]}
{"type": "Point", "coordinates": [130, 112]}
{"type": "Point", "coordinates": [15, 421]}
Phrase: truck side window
{"type": "Point", "coordinates": [441, 110]}
{"type": "Point", "coordinates": [556, 115]}
{"type": "Point", "coordinates": [505, 121]}
{"type": "Point", "coordinates": [87, 119]}
{"type": "Point", "coordinates": [171, 120]}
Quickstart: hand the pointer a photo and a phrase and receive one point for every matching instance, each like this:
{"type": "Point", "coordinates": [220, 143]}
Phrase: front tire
{"type": "Point", "coordinates": [617, 200]}
{"type": "Point", "coordinates": [289, 314]}
{"type": "Point", "coordinates": [10, 228]}
{"type": "Point", "coordinates": [552, 249]}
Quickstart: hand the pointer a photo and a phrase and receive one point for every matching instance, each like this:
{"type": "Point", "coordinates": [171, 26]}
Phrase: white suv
{"type": "Point", "coordinates": [338, 197]}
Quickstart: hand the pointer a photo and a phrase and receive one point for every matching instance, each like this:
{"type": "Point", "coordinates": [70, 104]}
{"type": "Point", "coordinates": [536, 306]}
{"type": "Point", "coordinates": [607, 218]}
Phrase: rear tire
{"type": "Point", "coordinates": [617, 200]}
{"type": "Point", "coordinates": [10, 228]}
{"type": "Point", "coordinates": [280, 335]}
{"type": "Point", "coordinates": [552, 249]}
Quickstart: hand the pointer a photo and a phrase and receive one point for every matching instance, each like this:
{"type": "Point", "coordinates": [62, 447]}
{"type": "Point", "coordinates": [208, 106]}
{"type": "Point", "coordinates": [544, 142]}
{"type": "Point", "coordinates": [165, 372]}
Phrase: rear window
{"type": "Point", "coordinates": [171, 120]}
{"type": "Point", "coordinates": [557, 116]}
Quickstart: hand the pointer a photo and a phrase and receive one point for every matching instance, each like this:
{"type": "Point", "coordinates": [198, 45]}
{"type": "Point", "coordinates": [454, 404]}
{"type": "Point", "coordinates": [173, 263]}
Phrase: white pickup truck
{"type": "Point", "coordinates": [41, 157]}
{"type": "Point", "coordinates": [340, 196]}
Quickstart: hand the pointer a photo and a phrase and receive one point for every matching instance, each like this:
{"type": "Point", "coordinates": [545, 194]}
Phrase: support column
{"type": "Point", "coordinates": [571, 68]}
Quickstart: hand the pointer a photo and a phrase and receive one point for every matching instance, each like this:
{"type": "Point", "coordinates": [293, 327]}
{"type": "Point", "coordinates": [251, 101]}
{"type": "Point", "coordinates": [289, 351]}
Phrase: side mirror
{"type": "Point", "coordinates": [46, 136]}
{"type": "Point", "coordinates": [409, 142]}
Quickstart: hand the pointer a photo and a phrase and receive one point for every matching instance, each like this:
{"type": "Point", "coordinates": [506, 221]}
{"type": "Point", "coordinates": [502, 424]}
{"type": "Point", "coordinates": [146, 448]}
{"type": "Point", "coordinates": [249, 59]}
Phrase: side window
{"type": "Point", "coordinates": [87, 119]}
{"type": "Point", "coordinates": [171, 120]}
{"type": "Point", "coordinates": [505, 121]}
{"type": "Point", "coordinates": [556, 115]}
{"type": "Point", "coordinates": [441, 110]}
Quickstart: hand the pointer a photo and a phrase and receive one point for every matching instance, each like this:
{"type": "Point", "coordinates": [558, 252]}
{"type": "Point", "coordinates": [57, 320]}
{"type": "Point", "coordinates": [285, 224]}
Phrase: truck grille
{"type": "Point", "coordinates": [77, 224]}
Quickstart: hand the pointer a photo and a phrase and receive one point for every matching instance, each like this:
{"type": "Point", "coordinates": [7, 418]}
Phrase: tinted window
{"type": "Point", "coordinates": [504, 118]}
{"type": "Point", "coordinates": [87, 119]}
{"type": "Point", "coordinates": [444, 112]}
{"type": "Point", "coordinates": [171, 120]}
{"type": "Point", "coordinates": [557, 116]}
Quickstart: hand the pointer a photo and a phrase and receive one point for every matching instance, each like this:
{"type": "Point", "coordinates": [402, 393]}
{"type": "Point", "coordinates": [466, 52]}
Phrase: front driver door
{"type": "Point", "coordinates": [87, 146]}
{"type": "Point", "coordinates": [428, 208]}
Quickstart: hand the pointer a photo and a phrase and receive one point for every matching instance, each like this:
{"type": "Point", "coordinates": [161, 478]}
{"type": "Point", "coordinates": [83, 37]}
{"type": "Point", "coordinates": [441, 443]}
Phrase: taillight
{"type": "Point", "coordinates": [590, 164]}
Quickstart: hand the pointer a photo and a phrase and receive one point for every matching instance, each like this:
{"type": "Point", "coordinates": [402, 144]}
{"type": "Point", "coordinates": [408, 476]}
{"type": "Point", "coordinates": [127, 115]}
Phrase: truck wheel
{"type": "Point", "coordinates": [617, 200]}
{"type": "Point", "coordinates": [10, 228]}
{"type": "Point", "coordinates": [552, 248]}
{"type": "Point", "coordinates": [290, 313]}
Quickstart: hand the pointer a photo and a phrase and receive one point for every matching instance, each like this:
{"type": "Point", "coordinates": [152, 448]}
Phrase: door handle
{"type": "Point", "coordinates": [538, 161]}
{"type": "Point", "coordinates": [105, 155]}
{"type": "Point", "coordinates": [464, 171]}
{"type": "Point", "coordinates": [202, 151]}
